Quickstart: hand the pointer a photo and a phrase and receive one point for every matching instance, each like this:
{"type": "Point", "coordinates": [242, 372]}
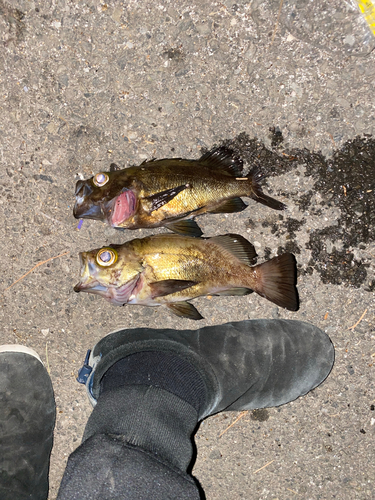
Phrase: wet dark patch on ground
{"type": "Point", "coordinates": [336, 267]}
{"type": "Point", "coordinates": [348, 181]}
{"type": "Point", "coordinates": [287, 226]}
{"type": "Point", "coordinates": [345, 181]}
{"type": "Point", "coordinates": [260, 415]}
{"type": "Point", "coordinates": [173, 53]}
{"type": "Point", "coordinates": [256, 154]}
{"type": "Point", "coordinates": [14, 20]}
{"type": "Point", "coordinates": [276, 136]}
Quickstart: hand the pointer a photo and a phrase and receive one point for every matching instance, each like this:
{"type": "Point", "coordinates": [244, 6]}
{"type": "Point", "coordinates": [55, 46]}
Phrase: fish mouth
{"type": "Point", "coordinates": [118, 296]}
{"type": "Point", "coordinates": [122, 208]}
{"type": "Point", "coordinates": [84, 208]}
{"type": "Point", "coordinates": [91, 287]}
{"type": "Point", "coordinates": [88, 283]}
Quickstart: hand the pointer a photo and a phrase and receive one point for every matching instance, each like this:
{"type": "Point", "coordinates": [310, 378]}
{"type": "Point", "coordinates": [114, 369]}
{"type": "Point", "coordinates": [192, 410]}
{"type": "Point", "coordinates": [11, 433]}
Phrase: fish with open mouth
{"type": "Point", "coordinates": [170, 192]}
{"type": "Point", "coordinates": [171, 269]}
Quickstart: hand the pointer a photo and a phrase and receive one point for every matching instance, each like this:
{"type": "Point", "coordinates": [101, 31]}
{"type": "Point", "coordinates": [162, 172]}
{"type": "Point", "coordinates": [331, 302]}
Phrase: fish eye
{"type": "Point", "coordinates": [100, 179]}
{"type": "Point", "coordinates": [106, 257]}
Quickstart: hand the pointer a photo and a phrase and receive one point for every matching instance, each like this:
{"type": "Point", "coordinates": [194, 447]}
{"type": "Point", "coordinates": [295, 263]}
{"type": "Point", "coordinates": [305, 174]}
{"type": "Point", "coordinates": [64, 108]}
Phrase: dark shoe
{"type": "Point", "coordinates": [151, 387]}
{"type": "Point", "coordinates": [244, 365]}
{"type": "Point", "coordinates": [27, 420]}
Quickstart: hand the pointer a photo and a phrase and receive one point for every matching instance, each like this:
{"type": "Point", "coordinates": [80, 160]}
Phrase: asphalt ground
{"type": "Point", "coordinates": [87, 83]}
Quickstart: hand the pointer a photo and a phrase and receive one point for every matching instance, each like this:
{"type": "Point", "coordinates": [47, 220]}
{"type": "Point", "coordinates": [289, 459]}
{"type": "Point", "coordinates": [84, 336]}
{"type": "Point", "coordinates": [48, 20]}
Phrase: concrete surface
{"type": "Point", "coordinates": [86, 83]}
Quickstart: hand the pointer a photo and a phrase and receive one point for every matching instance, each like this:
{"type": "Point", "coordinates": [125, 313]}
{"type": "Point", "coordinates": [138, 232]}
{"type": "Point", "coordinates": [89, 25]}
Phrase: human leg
{"type": "Point", "coordinates": [150, 388]}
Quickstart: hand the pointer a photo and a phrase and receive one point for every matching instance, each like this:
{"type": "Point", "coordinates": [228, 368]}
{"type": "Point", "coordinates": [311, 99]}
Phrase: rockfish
{"type": "Point", "coordinates": [169, 192]}
{"type": "Point", "coordinates": [170, 269]}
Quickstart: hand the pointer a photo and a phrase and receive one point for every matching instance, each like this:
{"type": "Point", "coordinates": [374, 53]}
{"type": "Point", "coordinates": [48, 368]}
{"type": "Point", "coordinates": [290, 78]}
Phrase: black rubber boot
{"type": "Point", "coordinates": [150, 388]}
{"type": "Point", "coordinates": [245, 365]}
{"type": "Point", "coordinates": [27, 420]}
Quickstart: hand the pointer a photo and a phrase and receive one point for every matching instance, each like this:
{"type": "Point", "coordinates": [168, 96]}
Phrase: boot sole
{"type": "Point", "coordinates": [20, 348]}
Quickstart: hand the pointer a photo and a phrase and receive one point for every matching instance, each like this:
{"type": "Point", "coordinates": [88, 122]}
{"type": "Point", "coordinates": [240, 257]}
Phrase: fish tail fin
{"type": "Point", "coordinates": [257, 194]}
{"type": "Point", "coordinates": [276, 281]}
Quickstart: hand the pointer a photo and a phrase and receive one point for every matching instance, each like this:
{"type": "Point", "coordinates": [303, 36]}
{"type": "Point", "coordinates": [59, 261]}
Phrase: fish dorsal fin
{"type": "Point", "coordinates": [184, 310]}
{"type": "Point", "coordinates": [223, 159]}
{"type": "Point", "coordinates": [113, 167]}
{"type": "Point", "coordinates": [238, 246]}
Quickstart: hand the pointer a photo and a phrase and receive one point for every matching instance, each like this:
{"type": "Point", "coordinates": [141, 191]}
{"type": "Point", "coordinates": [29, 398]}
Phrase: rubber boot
{"type": "Point", "coordinates": [27, 420]}
{"type": "Point", "coordinates": [150, 388]}
{"type": "Point", "coordinates": [245, 365]}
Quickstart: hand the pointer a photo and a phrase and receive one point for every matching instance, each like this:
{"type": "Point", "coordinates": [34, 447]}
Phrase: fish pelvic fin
{"type": "Point", "coordinates": [224, 159]}
{"type": "Point", "coordinates": [166, 287]}
{"type": "Point", "coordinates": [186, 227]}
{"type": "Point", "coordinates": [229, 207]}
{"type": "Point", "coordinates": [276, 281]}
{"type": "Point", "coordinates": [234, 291]}
{"type": "Point", "coordinates": [184, 310]}
{"type": "Point", "coordinates": [238, 246]}
{"type": "Point", "coordinates": [257, 194]}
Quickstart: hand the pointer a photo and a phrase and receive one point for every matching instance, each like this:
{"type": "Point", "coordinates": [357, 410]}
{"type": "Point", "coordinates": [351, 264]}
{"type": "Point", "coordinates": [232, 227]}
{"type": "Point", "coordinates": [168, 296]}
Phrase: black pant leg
{"type": "Point", "coordinates": [137, 445]}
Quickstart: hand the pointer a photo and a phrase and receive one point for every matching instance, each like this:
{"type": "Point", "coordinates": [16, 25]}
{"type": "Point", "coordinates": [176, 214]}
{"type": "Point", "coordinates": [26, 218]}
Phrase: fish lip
{"type": "Point", "coordinates": [85, 210]}
{"type": "Point", "coordinates": [83, 189]}
{"type": "Point", "coordinates": [86, 282]}
{"type": "Point", "coordinates": [94, 286]}
{"type": "Point", "coordinates": [79, 185]}
{"type": "Point", "coordinates": [121, 208]}
{"type": "Point", "coordinates": [80, 285]}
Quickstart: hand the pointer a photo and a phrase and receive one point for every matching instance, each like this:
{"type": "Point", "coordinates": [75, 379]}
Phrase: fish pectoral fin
{"type": "Point", "coordinates": [235, 291]}
{"type": "Point", "coordinates": [223, 159]}
{"type": "Point", "coordinates": [166, 287]}
{"type": "Point", "coordinates": [159, 199]}
{"type": "Point", "coordinates": [229, 207]}
{"type": "Point", "coordinates": [238, 246]}
{"type": "Point", "coordinates": [113, 167]}
{"type": "Point", "coordinates": [187, 227]}
{"type": "Point", "coordinates": [184, 310]}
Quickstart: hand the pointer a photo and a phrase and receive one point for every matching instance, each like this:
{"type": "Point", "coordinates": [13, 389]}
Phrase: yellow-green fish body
{"type": "Point", "coordinates": [171, 269]}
